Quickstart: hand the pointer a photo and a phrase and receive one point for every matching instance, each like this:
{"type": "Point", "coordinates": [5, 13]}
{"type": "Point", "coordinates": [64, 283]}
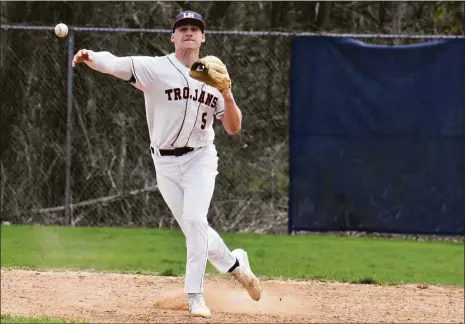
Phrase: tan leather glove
{"type": "Point", "coordinates": [212, 71]}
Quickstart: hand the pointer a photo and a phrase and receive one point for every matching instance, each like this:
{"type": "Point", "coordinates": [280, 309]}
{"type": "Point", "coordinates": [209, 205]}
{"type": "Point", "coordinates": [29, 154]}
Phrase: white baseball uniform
{"type": "Point", "coordinates": [180, 113]}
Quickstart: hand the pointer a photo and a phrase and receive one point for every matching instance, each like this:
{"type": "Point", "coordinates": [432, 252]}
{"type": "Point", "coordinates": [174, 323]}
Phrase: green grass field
{"type": "Point", "coordinates": [162, 251]}
{"type": "Point", "coordinates": [31, 320]}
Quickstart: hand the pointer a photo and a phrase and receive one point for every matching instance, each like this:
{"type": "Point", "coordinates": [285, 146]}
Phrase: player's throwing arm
{"type": "Point", "coordinates": [105, 62]}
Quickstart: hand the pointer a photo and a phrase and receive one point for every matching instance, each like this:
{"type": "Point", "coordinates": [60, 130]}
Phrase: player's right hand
{"type": "Point", "coordinates": [82, 56]}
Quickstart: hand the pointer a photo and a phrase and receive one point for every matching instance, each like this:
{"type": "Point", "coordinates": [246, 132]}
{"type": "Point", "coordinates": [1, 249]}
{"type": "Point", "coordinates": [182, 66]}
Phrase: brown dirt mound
{"type": "Point", "coordinates": [127, 298]}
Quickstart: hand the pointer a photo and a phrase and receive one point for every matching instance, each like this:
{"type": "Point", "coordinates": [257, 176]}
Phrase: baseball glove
{"type": "Point", "coordinates": [211, 71]}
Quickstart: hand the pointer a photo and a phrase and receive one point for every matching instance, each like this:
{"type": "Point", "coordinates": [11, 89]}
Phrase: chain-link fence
{"type": "Point", "coordinates": [75, 144]}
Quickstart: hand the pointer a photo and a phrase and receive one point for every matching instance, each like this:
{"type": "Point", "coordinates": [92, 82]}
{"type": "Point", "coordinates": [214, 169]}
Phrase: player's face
{"type": "Point", "coordinates": [188, 37]}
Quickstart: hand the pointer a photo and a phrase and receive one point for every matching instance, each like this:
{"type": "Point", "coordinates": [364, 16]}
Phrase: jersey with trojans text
{"type": "Point", "coordinates": [180, 110]}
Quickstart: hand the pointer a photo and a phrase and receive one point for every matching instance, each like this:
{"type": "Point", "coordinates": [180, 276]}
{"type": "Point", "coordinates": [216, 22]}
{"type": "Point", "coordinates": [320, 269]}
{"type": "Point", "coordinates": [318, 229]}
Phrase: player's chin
{"type": "Point", "coordinates": [190, 46]}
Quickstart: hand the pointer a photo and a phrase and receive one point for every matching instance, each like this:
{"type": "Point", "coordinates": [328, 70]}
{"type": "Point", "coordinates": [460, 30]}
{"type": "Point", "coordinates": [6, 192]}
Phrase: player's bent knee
{"type": "Point", "coordinates": [195, 222]}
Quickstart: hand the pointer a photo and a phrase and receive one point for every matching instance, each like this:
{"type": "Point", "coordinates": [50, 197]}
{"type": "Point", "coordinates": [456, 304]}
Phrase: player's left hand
{"type": "Point", "coordinates": [212, 71]}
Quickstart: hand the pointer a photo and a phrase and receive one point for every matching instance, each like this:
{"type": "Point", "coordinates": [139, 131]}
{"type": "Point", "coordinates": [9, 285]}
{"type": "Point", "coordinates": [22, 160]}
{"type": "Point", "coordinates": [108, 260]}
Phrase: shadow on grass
{"type": "Point", "coordinates": [366, 281]}
{"type": "Point", "coordinates": [168, 273]}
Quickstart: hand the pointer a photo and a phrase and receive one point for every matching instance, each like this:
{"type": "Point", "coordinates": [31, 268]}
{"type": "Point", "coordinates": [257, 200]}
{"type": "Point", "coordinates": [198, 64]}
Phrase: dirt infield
{"type": "Point", "coordinates": [119, 298]}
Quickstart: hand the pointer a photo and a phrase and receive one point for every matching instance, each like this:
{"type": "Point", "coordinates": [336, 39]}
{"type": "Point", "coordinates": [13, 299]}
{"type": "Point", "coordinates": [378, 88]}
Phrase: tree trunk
{"type": "Point", "coordinates": [324, 14]}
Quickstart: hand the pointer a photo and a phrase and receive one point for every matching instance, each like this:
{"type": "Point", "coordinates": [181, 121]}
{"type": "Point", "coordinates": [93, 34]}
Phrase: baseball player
{"type": "Point", "coordinates": [183, 95]}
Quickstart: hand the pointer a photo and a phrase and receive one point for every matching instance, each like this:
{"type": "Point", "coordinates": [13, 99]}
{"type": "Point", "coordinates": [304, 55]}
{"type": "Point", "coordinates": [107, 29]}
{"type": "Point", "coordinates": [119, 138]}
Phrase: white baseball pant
{"type": "Point", "coordinates": [186, 183]}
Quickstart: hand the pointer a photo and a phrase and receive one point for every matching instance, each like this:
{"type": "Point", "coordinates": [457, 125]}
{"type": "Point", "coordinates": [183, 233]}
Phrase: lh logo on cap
{"type": "Point", "coordinates": [188, 15]}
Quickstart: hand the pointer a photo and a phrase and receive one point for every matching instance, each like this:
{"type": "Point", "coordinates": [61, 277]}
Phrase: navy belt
{"type": "Point", "coordinates": [178, 151]}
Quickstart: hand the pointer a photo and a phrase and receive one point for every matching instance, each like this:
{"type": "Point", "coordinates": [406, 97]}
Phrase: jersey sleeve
{"type": "Point", "coordinates": [219, 108]}
{"type": "Point", "coordinates": [143, 71]}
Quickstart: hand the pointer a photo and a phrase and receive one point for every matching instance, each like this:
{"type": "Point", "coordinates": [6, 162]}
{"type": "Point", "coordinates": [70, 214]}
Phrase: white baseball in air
{"type": "Point", "coordinates": [61, 30]}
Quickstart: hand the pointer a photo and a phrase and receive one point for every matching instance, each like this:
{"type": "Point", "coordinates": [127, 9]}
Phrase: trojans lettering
{"type": "Point", "coordinates": [185, 93]}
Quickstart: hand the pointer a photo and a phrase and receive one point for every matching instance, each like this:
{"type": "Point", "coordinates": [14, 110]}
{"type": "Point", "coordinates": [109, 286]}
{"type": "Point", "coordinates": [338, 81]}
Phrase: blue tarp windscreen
{"type": "Point", "coordinates": [377, 136]}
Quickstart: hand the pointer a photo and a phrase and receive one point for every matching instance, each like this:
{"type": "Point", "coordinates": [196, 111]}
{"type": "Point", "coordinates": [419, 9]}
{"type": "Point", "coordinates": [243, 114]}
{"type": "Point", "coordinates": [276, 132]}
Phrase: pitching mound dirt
{"type": "Point", "coordinates": [120, 298]}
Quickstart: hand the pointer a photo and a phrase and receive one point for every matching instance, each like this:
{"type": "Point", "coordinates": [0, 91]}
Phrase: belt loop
{"type": "Point", "coordinates": [155, 151]}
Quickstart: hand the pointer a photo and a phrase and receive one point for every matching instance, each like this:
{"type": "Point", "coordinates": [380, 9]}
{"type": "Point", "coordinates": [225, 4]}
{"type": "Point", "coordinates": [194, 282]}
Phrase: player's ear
{"type": "Point", "coordinates": [203, 38]}
{"type": "Point", "coordinates": [172, 38]}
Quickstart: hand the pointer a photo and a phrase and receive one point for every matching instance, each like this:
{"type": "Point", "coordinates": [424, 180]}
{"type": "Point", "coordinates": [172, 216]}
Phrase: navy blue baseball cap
{"type": "Point", "coordinates": [189, 18]}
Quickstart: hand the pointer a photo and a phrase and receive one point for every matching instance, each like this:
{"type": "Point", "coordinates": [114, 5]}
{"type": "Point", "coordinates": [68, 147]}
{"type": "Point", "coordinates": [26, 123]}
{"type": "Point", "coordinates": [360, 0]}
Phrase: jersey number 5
{"type": "Point", "coordinates": [204, 120]}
